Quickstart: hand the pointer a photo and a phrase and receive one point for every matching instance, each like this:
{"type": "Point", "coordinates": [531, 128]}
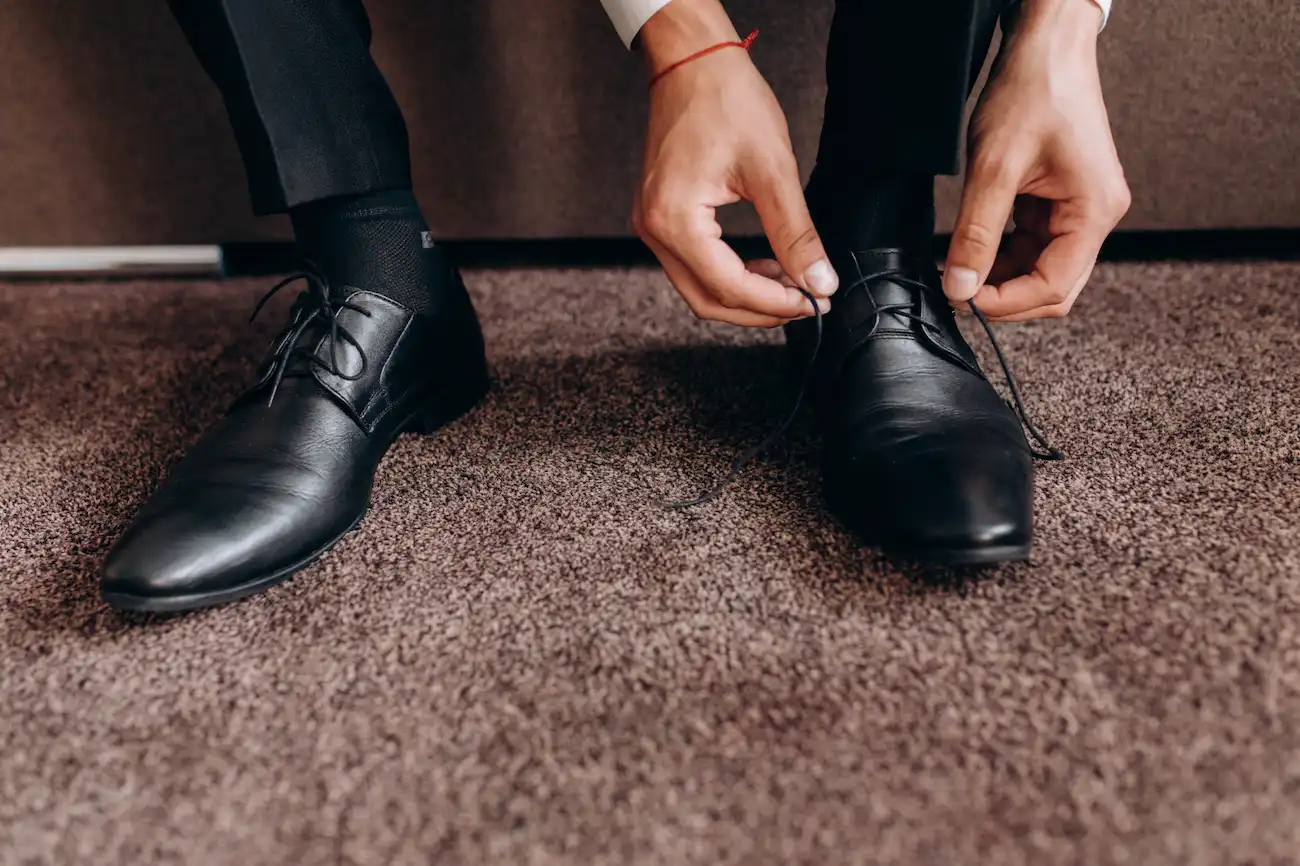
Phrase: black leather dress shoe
{"type": "Point", "coordinates": [921, 455]}
{"type": "Point", "coordinates": [288, 471]}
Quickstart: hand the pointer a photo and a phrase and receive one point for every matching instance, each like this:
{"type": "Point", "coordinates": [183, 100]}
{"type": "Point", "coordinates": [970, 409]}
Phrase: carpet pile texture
{"type": "Point", "coordinates": [520, 658]}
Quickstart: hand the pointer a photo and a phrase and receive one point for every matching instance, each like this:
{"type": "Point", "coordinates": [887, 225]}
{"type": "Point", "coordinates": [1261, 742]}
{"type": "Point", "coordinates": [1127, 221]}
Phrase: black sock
{"type": "Point", "coordinates": [378, 242]}
{"type": "Point", "coordinates": [862, 211]}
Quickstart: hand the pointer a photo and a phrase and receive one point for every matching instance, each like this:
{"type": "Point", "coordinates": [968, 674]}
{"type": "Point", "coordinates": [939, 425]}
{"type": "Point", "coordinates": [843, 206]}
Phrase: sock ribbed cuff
{"type": "Point", "coordinates": [379, 242]}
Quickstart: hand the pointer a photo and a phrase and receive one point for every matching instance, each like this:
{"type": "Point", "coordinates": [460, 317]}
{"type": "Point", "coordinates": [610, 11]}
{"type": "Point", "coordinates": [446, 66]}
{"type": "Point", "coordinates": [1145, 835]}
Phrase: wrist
{"type": "Point", "coordinates": [1067, 27]}
{"type": "Point", "coordinates": [682, 28]}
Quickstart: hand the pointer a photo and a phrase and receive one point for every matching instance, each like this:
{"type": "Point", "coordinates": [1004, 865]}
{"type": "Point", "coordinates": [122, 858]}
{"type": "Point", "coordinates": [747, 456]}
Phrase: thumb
{"type": "Point", "coordinates": [986, 203]}
{"type": "Point", "coordinates": [778, 198]}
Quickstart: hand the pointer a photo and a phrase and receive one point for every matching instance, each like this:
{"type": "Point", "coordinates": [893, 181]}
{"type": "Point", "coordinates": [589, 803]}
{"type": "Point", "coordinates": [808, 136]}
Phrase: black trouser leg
{"type": "Point", "coordinates": [312, 113]}
{"type": "Point", "coordinates": [322, 138]}
{"type": "Point", "coordinates": [898, 73]}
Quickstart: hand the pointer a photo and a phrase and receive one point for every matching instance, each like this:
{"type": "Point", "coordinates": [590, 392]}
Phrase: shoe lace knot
{"type": "Point", "coordinates": [316, 304]}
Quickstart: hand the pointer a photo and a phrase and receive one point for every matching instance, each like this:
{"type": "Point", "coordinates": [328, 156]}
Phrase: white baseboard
{"type": "Point", "coordinates": [176, 261]}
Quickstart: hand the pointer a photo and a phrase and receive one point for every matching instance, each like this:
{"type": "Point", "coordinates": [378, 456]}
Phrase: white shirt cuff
{"type": "Point", "coordinates": [629, 16]}
{"type": "Point", "coordinates": [1105, 10]}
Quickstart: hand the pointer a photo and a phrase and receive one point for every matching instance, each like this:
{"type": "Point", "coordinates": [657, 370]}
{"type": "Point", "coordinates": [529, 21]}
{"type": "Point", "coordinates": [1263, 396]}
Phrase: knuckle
{"type": "Point", "coordinates": [782, 164]}
{"type": "Point", "coordinates": [726, 297]}
{"type": "Point", "coordinates": [977, 235]}
{"type": "Point", "coordinates": [795, 239]}
{"type": "Point", "coordinates": [1113, 202]}
{"type": "Point", "coordinates": [1121, 200]}
{"type": "Point", "coordinates": [697, 310]}
{"type": "Point", "coordinates": [658, 210]}
{"type": "Point", "coordinates": [993, 167]}
{"type": "Point", "coordinates": [656, 219]}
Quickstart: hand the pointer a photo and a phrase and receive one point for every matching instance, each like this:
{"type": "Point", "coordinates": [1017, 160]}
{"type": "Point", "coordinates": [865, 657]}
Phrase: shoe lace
{"type": "Point", "coordinates": [315, 303]}
{"type": "Point", "coordinates": [910, 311]}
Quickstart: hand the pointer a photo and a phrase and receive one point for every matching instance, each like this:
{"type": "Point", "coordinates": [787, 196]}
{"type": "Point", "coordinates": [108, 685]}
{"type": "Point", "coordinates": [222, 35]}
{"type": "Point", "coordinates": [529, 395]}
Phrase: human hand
{"type": "Point", "coordinates": [717, 135]}
{"type": "Point", "coordinates": [1040, 148]}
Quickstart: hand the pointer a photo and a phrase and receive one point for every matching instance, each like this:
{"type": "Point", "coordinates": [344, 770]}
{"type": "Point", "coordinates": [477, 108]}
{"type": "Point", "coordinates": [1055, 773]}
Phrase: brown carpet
{"type": "Point", "coordinates": [520, 659]}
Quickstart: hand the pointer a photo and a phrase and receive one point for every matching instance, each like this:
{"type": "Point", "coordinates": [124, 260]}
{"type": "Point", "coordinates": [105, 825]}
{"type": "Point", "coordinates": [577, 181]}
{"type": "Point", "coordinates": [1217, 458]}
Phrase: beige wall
{"type": "Point", "coordinates": [525, 123]}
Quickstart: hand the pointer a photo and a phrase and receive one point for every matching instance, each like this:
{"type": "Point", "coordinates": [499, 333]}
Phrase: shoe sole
{"type": "Point", "coordinates": [952, 556]}
{"type": "Point", "coordinates": [426, 420]}
{"type": "Point", "coordinates": [967, 556]}
{"type": "Point", "coordinates": [197, 601]}
{"type": "Point", "coordinates": [934, 556]}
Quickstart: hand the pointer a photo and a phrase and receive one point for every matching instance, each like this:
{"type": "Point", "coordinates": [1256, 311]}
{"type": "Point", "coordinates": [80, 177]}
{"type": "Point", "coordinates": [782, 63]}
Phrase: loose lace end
{"type": "Point", "coordinates": [739, 465]}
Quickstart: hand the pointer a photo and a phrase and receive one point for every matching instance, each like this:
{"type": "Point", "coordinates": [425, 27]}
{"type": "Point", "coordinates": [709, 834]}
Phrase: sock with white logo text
{"type": "Point", "coordinates": [378, 242]}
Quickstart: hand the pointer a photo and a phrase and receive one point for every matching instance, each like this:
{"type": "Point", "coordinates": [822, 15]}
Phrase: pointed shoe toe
{"type": "Point", "coordinates": [952, 505]}
{"type": "Point", "coordinates": [921, 455]}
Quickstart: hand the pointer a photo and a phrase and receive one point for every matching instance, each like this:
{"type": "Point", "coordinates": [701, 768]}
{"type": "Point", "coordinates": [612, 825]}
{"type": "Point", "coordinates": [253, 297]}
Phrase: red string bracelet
{"type": "Point", "coordinates": [744, 43]}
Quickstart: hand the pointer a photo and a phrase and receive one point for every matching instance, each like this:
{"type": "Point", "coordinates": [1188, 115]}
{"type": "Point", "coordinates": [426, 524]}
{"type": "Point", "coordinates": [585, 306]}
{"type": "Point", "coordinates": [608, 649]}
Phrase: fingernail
{"type": "Point", "coordinates": [960, 284]}
{"type": "Point", "coordinates": [821, 279]}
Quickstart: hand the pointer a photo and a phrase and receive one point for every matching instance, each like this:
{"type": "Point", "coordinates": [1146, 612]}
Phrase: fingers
{"type": "Point", "coordinates": [771, 269]}
{"type": "Point", "coordinates": [986, 204]}
{"type": "Point", "coordinates": [778, 197]}
{"type": "Point", "coordinates": [1020, 251]}
{"type": "Point", "coordinates": [710, 276]}
{"type": "Point", "coordinates": [1052, 287]}
{"type": "Point", "coordinates": [1047, 260]}
{"type": "Point", "coordinates": [704, 306]}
